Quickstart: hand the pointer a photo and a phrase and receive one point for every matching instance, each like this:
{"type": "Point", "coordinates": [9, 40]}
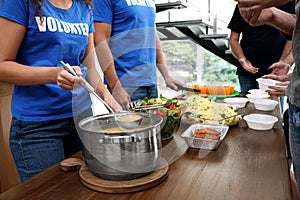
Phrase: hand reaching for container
{"type": "Point", "coordinates": [248, 66]}
{"type": "Point", "coordinates": [281, 78]}
{"type": "Point", "coordinates": [280, 68]}
{"type": "Point", "coordinates": [278, 91]}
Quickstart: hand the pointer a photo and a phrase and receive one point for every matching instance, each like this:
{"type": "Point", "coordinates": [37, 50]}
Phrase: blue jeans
{"type": "Point", "coordinates": [247, 83]}
{"type": "Point", "coordinates": [294, 133]}
{"type": "Point", "coordinates": [137, 93]}
{"type": "Point", "coordinates": [36, 146]}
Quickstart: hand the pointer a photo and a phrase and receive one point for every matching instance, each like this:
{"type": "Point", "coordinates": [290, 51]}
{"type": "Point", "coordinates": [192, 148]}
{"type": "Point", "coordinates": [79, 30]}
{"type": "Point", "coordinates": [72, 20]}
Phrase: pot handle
{"type": "Point", "coordinates": [119, 139]}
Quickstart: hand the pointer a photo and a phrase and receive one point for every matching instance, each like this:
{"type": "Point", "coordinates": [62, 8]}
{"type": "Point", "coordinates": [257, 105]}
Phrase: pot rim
{"type": "Point", "coordinates": [91, 118]}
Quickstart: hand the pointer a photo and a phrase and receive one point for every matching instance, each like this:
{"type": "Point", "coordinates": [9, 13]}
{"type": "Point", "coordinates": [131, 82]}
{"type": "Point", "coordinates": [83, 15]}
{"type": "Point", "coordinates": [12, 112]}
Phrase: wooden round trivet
{"type": "Point", "coordinates": [146, 182]}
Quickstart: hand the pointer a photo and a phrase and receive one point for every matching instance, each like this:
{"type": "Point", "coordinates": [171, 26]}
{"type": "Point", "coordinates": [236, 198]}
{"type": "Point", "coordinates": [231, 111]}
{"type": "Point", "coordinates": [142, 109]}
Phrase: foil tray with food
{"type": "Point", "coordinates": [205, 136]}
{"type": "Point", "coordinates": [202, 110]}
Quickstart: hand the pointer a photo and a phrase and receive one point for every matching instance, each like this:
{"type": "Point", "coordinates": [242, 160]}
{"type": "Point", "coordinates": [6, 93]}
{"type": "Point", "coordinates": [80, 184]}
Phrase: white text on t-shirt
{"type": "Point", "coordinates": [145, 3]}
{"type": "Point", "coordinates": [54, 25]}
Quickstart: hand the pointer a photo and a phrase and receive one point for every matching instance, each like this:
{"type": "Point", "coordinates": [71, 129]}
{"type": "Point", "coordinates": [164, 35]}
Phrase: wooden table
{"type": "Point", "coordinates": [247, 165]}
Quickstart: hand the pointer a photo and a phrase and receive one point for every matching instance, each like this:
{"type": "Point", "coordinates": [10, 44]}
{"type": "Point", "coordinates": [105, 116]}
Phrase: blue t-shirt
{"type": "Point", "coordinates": [60, 35]}
{"type": "Point", "coordinates": [133, 41]}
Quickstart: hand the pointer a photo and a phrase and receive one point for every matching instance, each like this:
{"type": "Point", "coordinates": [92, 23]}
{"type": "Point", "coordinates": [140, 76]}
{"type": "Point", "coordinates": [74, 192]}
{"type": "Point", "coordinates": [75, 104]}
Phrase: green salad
{"type": "Point", "coordinates": [171, 114]}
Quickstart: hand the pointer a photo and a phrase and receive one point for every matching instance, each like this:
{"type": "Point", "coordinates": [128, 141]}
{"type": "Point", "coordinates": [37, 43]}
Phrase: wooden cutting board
{"type": "Point", "coordinates": [146, 182]}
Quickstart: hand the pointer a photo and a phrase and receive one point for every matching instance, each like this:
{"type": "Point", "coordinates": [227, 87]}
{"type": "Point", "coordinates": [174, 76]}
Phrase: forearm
{"type": "Point", "coordinates": [286, 51]}
{"type": "Point", "coordinates": [160, 60]}
{"type": "Point", "coordinates": [106, 62]}
{"type": "Point", "coordinates": [287, 58]}
{"type": "Point", "coordinates": [283, 21]}
{"type": "Point", "coordinates": [237, 50]}
{"type": "Point", "coordinates": [260, 4]}
{"type": "Point", "coordinates": [15, 73]}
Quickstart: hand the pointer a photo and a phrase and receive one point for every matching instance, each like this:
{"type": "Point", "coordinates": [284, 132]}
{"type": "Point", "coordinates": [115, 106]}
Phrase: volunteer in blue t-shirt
{"type": "Point", "coordinates": [129, 49]}
{"type": "Point", "coordinates": [35, 36]}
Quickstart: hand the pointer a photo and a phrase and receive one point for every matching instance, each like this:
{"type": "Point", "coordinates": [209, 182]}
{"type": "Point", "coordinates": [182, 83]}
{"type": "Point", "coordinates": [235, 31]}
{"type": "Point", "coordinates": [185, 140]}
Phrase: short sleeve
{"type": "Point", "coordinates": [103, 11]}
{"type": "Point", "coordinates": [235, 22]}
{"type": "Point", "coordinates": [15, 10]}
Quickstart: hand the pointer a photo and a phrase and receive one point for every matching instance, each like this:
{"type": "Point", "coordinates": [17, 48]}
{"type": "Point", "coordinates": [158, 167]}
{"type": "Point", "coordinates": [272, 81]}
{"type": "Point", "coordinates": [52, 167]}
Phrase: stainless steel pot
{"type": "Point", "coordinates": [118, 154]}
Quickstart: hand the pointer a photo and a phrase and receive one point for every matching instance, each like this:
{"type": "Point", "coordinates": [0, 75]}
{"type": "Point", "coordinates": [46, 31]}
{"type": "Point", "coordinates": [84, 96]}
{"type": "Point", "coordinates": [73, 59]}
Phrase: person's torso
{"type": "Point", "coordinates": [60, 35]}
{"type": "Point", "coordinates": [293, 91]}
{"type": "Point", "coordinates": [133, 38]}
{"type": "Point", "coordinates": [262, 45]}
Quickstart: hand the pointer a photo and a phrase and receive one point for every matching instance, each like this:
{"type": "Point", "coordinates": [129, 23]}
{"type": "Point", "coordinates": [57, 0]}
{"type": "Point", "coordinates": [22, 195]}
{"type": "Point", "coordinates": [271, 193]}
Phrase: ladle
{"type": "Point", "coordinates": [127, 124]}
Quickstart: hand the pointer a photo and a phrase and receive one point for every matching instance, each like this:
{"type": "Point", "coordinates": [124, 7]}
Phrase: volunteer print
{"type": "Point", "coordinates": [55, 25]}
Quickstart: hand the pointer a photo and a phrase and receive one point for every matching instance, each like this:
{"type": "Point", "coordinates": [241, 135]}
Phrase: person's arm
{"type": "Point", "coordinates": [255, 5]}
{"type": "Point", "coordinates": [286, 60]}
{"type": "Point", "coordinates": [238, 52]}
{"type": "Point", "coordinates": [283, 21]}
{"type": "Point", "coordinates": [256, 15]}
{"type": "Point", "coordinates": [162, 66]}
{"type": "Point", "coordinates": [11, 37]}
{"type": "Point", "coordinates": [282, 78]}
{"type": "Point", "coordinates": [102, 35]}
{"type": "Point", "coordinates": [94, 78]}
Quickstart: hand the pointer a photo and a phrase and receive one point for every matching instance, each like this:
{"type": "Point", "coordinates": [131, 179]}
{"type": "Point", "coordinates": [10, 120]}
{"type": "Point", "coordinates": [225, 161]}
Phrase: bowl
{"type": "Point", "coordinates": [129, 120]}
{"type": "Point", "coordinates": [265, 104]}
{"type": "Point", "coordinates": [253, 97]}
{"type": "Point", "coordinates": [170, 113]}
{"type": "Point", "coordinates": [264, 83]}
{"type": "Point", "coordinates": [200, 143]}
{"type": "Point", "coordinates": [239, 101]}
{"type": "Point", "coordinates": [257, 91]}
{"type": "Point", "coordinates": [260, 122]}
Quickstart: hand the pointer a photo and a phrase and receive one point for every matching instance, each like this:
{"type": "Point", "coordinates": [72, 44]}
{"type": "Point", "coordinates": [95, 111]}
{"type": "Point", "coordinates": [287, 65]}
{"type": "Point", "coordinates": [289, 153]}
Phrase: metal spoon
{"type": "Point", "coordinates": [90, 89]}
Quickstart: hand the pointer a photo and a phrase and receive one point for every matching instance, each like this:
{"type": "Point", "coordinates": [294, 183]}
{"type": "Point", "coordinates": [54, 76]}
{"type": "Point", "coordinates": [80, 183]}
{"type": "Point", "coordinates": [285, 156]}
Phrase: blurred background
{"type": "Point", "coordinates": [195, 42]}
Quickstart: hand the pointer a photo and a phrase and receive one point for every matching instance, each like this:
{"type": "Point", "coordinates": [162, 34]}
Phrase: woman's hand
{"type": "Point", "coordinates": [67, 81]}
{"type": "Point", "coordinates": [172, 83]}
{"type": "Point", "coordinates": [111, 101]}
{"type": "Point", "coordinates": [121, 96]}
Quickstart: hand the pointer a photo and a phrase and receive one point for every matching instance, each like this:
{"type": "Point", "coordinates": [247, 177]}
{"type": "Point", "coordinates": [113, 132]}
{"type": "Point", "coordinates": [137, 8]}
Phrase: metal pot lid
{"type": "Point", "coordinates": [106, 123]}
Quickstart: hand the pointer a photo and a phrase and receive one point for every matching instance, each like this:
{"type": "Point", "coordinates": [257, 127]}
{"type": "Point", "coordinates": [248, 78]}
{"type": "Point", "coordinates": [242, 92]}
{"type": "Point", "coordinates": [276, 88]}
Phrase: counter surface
{"type": "Point", "coordinates": [247, 165]}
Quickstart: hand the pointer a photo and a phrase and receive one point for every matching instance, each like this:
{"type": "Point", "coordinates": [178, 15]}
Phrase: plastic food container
{"type": "Point", "coordinates": [239, 101]}
{"type": "Point", "coordinates": [257, 91]}
{"type": "Point", "coordinates": [264, 83]}
{"type": "Point", "coordinates": [265, 104]}
{"type": "Point", "coordinates": [253, 97]}
{"type": "Point", "coordinates": [260, 122]}
{"type": "Point", "coordinates": [200, 143]}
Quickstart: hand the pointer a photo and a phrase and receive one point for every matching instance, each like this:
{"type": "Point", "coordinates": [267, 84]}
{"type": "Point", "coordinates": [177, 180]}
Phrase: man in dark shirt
{"type": "Point", "coordinates": [258, 48]}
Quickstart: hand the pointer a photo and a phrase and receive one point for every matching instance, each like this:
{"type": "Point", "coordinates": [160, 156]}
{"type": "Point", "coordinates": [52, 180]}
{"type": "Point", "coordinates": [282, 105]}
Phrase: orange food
{"type": "Point", "coordinates": [227, 90]}
{"type": "Point", "coordinates": [231, 89]}
{"type": "Point", "coordinates": [203, 89]}
{"type": "Point", "coordinates": [207, 133]}
{"type": "Point", "coordinates": [214, 90]}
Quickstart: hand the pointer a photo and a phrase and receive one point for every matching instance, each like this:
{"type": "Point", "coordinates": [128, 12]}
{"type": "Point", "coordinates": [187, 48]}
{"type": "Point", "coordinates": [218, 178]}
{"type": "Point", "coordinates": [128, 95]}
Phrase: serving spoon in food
{"type": "Point", "coordinates": [128, 122]}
